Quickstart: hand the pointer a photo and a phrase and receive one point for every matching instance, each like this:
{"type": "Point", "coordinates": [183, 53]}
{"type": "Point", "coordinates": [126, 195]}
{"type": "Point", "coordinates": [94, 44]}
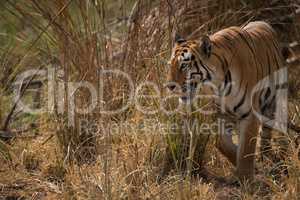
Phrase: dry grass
{"type": "Point", "coordinates": [81, 37]}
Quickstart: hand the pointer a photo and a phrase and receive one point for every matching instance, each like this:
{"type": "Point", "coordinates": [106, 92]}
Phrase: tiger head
{"type": "Point", "coordinates": [188, 67]}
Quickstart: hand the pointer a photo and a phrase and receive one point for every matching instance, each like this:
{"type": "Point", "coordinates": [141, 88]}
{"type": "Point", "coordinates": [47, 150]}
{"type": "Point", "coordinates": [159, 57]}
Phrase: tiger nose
{"type": "Point", "coordinates": [171, 87]}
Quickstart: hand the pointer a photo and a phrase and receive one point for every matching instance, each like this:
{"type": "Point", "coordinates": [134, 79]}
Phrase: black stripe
{"type": "Point", "coordinates": [197, 67]}
{"type": "Point", "coordinates": [263, 108]}
{"type": "Point", "coordinates": [246, 114]}
{"type": "Point", "coordinates": [241, 102]}
{"type": "Point", "coordinates": [263, 100]}
{"type": "Point", "coordinates": [226, 64]}
{"type": "Point", "coordinates": [207, 71]}
{"type": "Point", "coordinates": [204, 66]}
{"type": "Point", "coordinates": [227, 110]}
{"type": "Point", "coordinates": [252, 49]}
{"type": "Point", "coordinates": [266, 105]}
{"type": "Point", "coordinates": [208, 78]}
{"type": "Point", "coordinates": [229, 40]}
{"type": "Point", "coordinates": [227, 81]}
{"type": "Point", "coordinates": [260, 100]}
{"type": "Point", "coordinates": [247, 42]}
{"type": "Point", "coordinates": [275, 45]}
{"type": "Point", "coordinates": [268, 93]}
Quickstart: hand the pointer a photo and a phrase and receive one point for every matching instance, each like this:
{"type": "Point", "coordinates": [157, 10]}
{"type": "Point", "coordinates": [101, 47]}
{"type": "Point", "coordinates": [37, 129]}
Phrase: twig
{"type": "Point", "coordinates": [49, 138]}
{"type": "Point", "coordinates": [294, 127]}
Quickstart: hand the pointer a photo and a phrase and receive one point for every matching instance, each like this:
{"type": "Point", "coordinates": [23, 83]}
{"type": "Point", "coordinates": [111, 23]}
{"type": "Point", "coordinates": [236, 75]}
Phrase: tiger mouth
{"type": "Point", "coordinates": [188, 93]}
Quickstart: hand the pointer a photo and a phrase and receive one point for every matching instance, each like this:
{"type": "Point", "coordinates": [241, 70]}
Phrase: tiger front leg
{"type": "Point", "coordinates": [248, 130]}
{"type": "Point", "coordinates": [226, 145]}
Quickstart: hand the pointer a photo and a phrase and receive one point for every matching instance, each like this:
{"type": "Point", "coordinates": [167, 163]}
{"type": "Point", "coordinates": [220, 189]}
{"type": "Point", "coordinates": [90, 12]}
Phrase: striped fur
{"type": "Point", "coordinates": [234, 60]}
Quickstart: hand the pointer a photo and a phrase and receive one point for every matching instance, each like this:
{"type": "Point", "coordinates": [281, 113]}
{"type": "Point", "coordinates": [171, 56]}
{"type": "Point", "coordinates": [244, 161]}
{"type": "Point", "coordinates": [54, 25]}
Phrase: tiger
{"type": "Point", "coordinates": [234, 60]}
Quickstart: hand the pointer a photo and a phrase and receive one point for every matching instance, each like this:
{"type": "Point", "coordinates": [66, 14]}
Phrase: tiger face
{"type": "Point", "coordinates": [187, 68]}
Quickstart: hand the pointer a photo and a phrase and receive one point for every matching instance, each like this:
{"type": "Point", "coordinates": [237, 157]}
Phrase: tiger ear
{"type": "Point", "coordinates": [179, 39]}
{"type": "Point", "coordinates": [206, 46]}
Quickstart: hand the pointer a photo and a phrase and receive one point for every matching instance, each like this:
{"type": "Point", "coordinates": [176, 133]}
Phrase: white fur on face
{"type": "Point", "coordinates": [185, 57]}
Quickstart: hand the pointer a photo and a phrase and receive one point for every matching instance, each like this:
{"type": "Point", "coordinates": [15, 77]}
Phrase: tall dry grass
{"type": "Point", "coordinates": [83, 37]}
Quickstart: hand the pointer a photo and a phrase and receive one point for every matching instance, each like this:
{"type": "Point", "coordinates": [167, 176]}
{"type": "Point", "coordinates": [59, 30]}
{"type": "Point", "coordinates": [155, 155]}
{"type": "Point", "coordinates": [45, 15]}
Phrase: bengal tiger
{"type": "Point", "coordinates": [234, 60]}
